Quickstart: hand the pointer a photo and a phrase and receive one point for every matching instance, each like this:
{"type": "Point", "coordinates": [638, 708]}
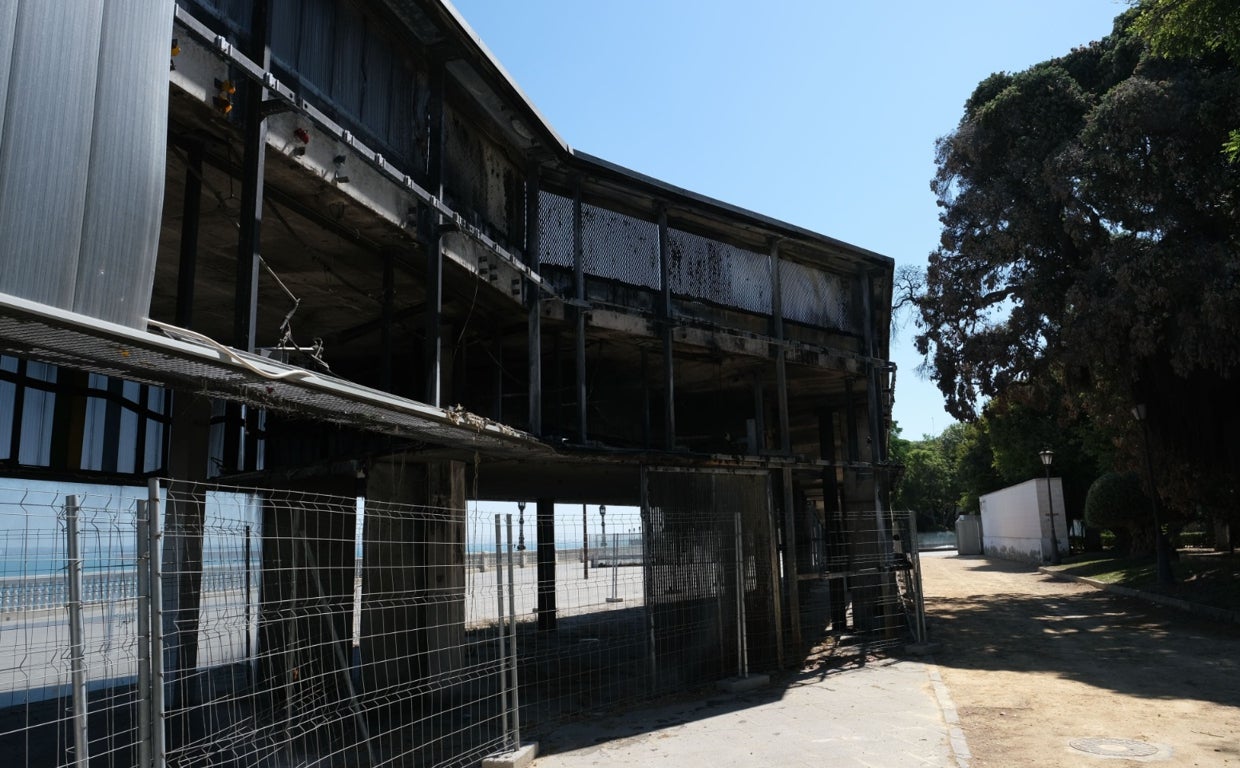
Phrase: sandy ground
{"type": "Point", "coordinates": [1034, 664]}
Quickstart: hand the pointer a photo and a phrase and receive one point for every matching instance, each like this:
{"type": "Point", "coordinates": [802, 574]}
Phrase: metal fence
{"type": "Point", "coordinates": [191, 625]}
{"type": "Point", "coordinates": [864, 595]}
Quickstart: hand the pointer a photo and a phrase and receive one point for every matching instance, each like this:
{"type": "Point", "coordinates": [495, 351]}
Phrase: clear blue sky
{"type": "Point", "coordinates": [821, 113]}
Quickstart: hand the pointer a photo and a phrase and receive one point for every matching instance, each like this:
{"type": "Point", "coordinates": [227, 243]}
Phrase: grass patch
{"type": "Point", "coordinates": [1201, 576]}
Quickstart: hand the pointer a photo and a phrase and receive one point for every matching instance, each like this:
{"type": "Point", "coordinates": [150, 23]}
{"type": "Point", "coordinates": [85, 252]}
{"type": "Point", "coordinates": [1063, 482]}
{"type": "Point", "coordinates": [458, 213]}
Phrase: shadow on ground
{"type": "Point", "coordinates": [1111, 642]}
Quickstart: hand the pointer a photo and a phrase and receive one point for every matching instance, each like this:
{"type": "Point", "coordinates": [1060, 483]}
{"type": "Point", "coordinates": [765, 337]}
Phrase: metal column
{"type": "Point", "coordinates": [534, 306]}
{"type": "Point", "coordinates": [433, 241]}
{"type": "Point", "coordinates": [546, 564]}
{"type": "Point", "coordinates": [191, 210]}
{"type": "Point", "coordinates": [253, 167]}
{"type": "Point", "coordinates": [665, 316]}
{"type": "Point", "coordinates": [579, 280]}
{"type": "Point", "coordinates": [781, 363]}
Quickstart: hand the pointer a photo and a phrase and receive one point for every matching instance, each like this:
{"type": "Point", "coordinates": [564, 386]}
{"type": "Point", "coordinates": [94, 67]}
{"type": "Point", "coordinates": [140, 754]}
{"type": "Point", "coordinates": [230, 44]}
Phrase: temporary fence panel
{"type": "Point", "coordinates": [257, 626]}
{"type": "Point", "coordinates": [594, 659]}
{"type": "Point", "coordinates": [68, 646]}
{"type": "Point", "coordinates": [866, 598]}
{"type": "Point", "coordinates": [709, 532]}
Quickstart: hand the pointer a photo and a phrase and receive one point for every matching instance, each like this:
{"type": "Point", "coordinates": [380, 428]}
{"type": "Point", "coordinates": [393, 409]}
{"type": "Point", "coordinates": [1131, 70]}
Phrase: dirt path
{"type": "Point", "coordinates": [1034, 664]}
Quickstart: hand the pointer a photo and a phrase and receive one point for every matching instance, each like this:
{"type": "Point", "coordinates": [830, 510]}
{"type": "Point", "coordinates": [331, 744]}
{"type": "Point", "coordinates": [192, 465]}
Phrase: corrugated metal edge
{"type": "Point", "coordinates": [37, 331]}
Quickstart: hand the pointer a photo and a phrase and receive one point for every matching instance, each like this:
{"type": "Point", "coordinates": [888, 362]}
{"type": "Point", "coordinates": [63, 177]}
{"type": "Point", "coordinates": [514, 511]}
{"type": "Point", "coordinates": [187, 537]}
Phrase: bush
{"type": "Point", "coordinates": [1117, 503]}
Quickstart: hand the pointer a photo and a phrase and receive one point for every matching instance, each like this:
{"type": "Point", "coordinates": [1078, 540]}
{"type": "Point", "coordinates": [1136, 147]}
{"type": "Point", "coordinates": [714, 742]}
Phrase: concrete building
{"type": "Point", "coordinates": [329, 247]}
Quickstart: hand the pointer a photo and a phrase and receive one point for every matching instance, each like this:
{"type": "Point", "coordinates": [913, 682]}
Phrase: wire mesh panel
{"type": "Point", "coordinates": [816, 298]}
{"type": "Point", "coordinates": [583, 642]}
{"type": "Point", "coordinates": [867, 597]}
{"type": "Point", "coordinates": [710, 270]}
{"type": "Point", "coordinates": [555, 229]}
{"type": "Point", "coordinates": [39, 717]}
{"type": "Point", "coordinates": [433, 668]}
{"type": "Point", "coordinates": [211, 587]}
{"type": "Point", "coordinates": [619, 247]}
{"type": "Point", "coordinates": [305, 629]}
{"type": "Point", "coordinates": [697, 555]}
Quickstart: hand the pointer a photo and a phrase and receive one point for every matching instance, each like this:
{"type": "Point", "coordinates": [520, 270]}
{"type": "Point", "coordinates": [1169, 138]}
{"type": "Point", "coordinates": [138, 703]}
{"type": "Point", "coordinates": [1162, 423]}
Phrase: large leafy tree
{"type": "Point", "coordinates": [1091, 232]}
{"type": "Point", "coordinates": [928, 486]}
{"type": "Point", "coordinates": [1193, 28]}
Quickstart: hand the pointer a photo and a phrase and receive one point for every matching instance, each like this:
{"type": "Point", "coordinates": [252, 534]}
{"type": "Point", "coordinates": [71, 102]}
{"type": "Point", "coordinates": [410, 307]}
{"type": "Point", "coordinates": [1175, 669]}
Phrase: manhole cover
{"type": "Point", "coordinates": [1114, 747]}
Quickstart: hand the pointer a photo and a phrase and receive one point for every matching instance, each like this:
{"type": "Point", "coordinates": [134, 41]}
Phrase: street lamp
{"type": "Point", "coordinates": [1048, 456]}
{"type": "Point", "coordinates": [520, 526]}
{"type": "Point", "coordinates": [1160, 539]}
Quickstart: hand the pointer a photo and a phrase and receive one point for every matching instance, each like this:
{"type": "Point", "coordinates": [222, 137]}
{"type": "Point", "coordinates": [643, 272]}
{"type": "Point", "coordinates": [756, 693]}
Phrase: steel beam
{"type": "Point", "coordinates": [191, 209]}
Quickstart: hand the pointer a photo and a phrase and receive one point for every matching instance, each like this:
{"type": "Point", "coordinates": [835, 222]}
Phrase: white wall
{"type": "Point", "coordinates": [1016, 521]}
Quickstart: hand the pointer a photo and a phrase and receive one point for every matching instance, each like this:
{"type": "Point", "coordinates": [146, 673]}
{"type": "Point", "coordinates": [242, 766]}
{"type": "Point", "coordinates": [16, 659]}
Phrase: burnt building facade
{"type": "Point", "coordinates": [309, 252]}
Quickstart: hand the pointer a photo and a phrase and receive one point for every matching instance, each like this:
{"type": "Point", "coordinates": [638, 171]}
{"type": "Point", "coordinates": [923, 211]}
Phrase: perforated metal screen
{"type": "Point", "coordinates": [619, 247]}
{"type": "Point", "coordinates": [710, 270]}
{"type": "Point", "coordinates": [555, 229]}
{"type": "Point", "coordinates": [815, 297]}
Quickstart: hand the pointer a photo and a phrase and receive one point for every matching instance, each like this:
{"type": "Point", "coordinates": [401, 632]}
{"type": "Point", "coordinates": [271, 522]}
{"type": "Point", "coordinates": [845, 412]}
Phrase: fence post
{"type": "Point", "coordinates": [158, 755]}
{"type": "Point", "coordinates": [143, 574]}
{"type": "Point", "coordinates": [77, 652]}
{"type": "Point", "coordinates": [503, 653]}
{"type": "Point", "coordinates": [920, 598]}
{"type": "Point", "coordinates": [742, 649]}
{"type": "Point", "coordinates": [512, 645]}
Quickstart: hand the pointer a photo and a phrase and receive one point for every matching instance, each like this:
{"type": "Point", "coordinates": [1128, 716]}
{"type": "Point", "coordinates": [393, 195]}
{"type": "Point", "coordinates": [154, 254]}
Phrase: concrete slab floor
{"type": "Point", "coordinates": [886, 714]}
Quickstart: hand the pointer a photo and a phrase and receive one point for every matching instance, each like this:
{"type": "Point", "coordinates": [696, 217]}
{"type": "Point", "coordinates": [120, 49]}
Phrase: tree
{"type": "Point", "coordinates": [974, 461]}
{"type": "Point", "coordinates": [1193, 28]}
{"type": "Point", "coordinates": [1115, 502]}
{"type": "Point", "coordinates": [1084, 205]}
{"type": "Point", "coordinates": [928, 486]}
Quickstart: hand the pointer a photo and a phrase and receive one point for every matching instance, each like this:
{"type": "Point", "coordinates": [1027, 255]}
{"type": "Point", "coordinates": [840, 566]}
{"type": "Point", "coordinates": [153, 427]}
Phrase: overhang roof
{"type": "Point", "coordinates": [185, 361]}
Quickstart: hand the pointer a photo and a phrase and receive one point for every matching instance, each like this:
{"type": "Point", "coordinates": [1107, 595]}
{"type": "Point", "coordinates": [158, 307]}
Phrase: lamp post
{"type": "Point", "coordinates": [521, 533]}
{"type": "Point", "coordinates": [602, 517]}
{"type": "Point", "coordinates": [1048, 456]}
{"type": "Point", "coordinates": [521, 526]}
{"type": "Point", "coordinates": [1160, 539]}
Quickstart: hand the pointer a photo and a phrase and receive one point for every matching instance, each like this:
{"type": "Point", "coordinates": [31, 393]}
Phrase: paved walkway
{"type": "Point", "coordinates": [1045, 674]}
{"type": "Point", "coordinates": [890, 714]}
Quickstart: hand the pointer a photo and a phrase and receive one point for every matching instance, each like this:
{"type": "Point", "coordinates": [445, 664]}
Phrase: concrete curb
{"type": "Point", "coordinates": [1207, 611]}
{"type": "Point", "coordinates": [955, 734]}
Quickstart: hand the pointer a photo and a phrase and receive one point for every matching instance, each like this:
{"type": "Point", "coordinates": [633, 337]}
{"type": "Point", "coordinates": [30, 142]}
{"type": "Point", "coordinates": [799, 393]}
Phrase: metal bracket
{"type": "Point", "coordinates": [274, 107]}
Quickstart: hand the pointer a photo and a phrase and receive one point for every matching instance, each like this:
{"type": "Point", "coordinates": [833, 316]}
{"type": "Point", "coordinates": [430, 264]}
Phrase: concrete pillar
{"type": "Point", "coordinates": [413, 572]}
